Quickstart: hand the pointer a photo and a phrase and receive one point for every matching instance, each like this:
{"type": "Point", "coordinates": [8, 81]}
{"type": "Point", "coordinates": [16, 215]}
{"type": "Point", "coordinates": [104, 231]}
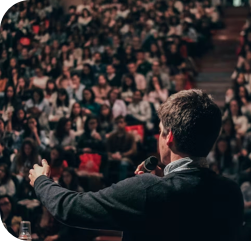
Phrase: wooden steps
{"type": "Point", "coordinates": [218, 64]}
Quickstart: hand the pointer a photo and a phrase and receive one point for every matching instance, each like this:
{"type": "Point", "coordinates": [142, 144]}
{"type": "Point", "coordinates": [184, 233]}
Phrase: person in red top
{"type": "Point", "coordinates": [57, 162]}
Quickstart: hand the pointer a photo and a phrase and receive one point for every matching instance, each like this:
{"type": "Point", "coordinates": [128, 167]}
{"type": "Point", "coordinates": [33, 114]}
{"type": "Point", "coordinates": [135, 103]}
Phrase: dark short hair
{"type": "Point", "coordinates": [120, 117]}
{"type": "Point", "coordinates": [194, 119]}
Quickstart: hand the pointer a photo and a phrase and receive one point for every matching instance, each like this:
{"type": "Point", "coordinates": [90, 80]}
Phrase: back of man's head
{"type": "Point", "coordinates": [194, 119]}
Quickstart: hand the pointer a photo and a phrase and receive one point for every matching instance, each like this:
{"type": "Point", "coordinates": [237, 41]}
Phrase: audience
{"type": "Point", "coordinates": [76, 82]}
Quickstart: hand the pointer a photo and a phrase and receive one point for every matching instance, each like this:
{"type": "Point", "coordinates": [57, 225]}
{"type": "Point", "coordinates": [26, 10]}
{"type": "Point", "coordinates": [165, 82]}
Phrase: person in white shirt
{"type": "Point", "coordinates": [61, 107]}
{"type": "Point", "coordinates": [139, 111]}
{"type": "Point", "coordinates": [139, 78]}
{"type": "Point", "coordinates": [39, 80]}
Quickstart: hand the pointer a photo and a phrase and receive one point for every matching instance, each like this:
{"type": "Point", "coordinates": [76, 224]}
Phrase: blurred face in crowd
{"type": "Point", "coordinates": [222, 146]}
{"type": "Point", "coordinates": [4, 54]}
{"type": "Point", "coordinates": [67, 178]}
{"type": "Point", "coordinates": [101, 80]}
{"type": "Point", "coordinates": [110, 70]}
{"type": "Point", "coordinates": [27, 150]}
{"type": "Point", "coordinates": [137, 97]}
{"type": "Point", "coordinates": [86, 70]}
{"type": "Point", "coordinates": [155, 67]}
{"type": "Point", "coordinates": [32, 122]}
{"type": "Point", "coordinates": [62, 97]}
{"type": "Point", "coordinates": [51, 86]}
{"type": "Point", "coordinates": [21, 83]}
{"type": "Point", "coordinates": [241, 79]}
{"type": "Point", "coordinates": [136, 42]}
{"type": "Point", "coordinates": [229, 95]}
{"type": "Point", "coordinates": [234, 108]}
{"type": "Point", "coordinates": [54, 154]}
{"type": "Point", "coordinates": [97, 58]}
{"type": "Point", "coordinates": [76, 80]}
{"type": "Point", "coordinates": [242, 92]}
{"type": "Point", "coordinates": [128, 50]}
{"type": "Point", "coordinates": [5, 205]}
{"type": "Point", "coordinates": [154, 48]}
{"type": "Point", "coordinates": [10, 92]}
{"type": "Point", "coordinates": [131, 68]}
{"type": "Point", "coordinates": [128, 81]}
{"type": "Point", "coordinates": [93, 124]}
{"type": "Point", "coordinates": [155, 81]}
{"type": "Point", "coordinates": [121, 124]}
{"type": "Point", "coordinates": [39, 72]}
{"type": "Point", "coordinates": [140, 56]}
{"type": "Point", "coordinates": [67, 127]}
{"type": "Point", "coordinates": [25, 52]}
{"type": "Point", "coordinates": [87, 95]}
{"type": "Point", "coordinates": [64, 48]}
{"type": "Point", "coordinates": [227, 127]}
{"type": "Point", "coordinates": [13, 63]}
{"type": "Point", "coordinates": [76, 109]}
{"type": "Point", "coordinates": [105, 111]}
{"type": "Point", "coordinates": [163, 59]}
{"type": "Point", "coordinates": [20, 115]}
{"type": "Point", "coordinates": [47, 49]}
{"type": "Point", "coordinates": [114, 95]}
{"type": "Point", "coordinates": [36, 97]}
{"type": "Point", "coordinates": [55, 44]}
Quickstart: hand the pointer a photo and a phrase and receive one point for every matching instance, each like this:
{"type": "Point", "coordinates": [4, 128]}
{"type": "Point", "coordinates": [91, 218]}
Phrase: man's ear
{"type": "Point", "coordinates": [169, 137]}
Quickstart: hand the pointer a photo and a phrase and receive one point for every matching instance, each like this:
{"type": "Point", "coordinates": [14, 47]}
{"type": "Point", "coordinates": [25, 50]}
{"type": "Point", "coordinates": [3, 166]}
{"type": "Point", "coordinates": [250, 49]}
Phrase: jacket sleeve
{"type": "Point", "coordinates": [119, 207]}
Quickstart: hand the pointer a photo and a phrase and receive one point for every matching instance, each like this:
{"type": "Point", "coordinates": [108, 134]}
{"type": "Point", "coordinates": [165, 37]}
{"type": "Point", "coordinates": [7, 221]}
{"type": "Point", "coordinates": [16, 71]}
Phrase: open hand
{"type": "Point", "coordinates": [38, 171]}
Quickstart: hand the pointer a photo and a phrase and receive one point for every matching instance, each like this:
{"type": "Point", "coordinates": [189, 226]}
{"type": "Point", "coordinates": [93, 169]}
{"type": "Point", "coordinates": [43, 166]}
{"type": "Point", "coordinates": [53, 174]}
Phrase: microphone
{"type": "Point", "coordinates": [150, 164]}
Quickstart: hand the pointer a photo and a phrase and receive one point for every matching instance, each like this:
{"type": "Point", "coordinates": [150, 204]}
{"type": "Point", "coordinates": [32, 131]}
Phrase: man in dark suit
{"type": "Point", "coordinates": [186, 201]}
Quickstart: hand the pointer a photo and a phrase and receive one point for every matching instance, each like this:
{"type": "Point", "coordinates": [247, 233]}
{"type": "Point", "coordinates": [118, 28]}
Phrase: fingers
{"type": "Point", "coordinates": [44, 163]}
{"type": "Point", "coordinates": [139, 168]}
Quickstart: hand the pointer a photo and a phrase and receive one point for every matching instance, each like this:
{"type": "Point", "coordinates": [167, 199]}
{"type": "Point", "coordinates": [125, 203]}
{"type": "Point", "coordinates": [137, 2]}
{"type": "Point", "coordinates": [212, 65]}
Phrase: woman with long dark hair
{"type": "Point", "coordinates": [18, 120]}
{"type": "Point", "coordinates": [128, 88]}
{"type": "Point", "coordinates": [23, 91]}
{"type": "Point", "coordinates": [9, 104]}
{"type": "Point", "coordinates": [69, 180]}
{"type": "Point", "coordinates": [223, 157]}
{"type": "Point", "coordinates": [57, 161]}
{"type": "Point", "coordinates": [240, 121]}
{"type": "Point", "coordinates": [229, 133]}
{"type": "Point", "coordinates": [26, 157]}
{"type": "Point", "coordinates": [91, 140]}
{"type": "Point", "coordinates": [106, 120]}
{"type": "Point", "coordinates": [62, 106]}
{"type": "Point", "coordinates": [37, 104]}
{"type": "Point", "coordinates": [88, 104]}
{"type": "Point", "coordinates": [87, 76]}
{"type": "Point", "coordinates": [50, 92]}
{"type": "Point", "coordinates": [63, 135]}
{"type": "Point", "coordinates": [77, 119]}
{"type": "Point", "coordinates": [33, 131]}
{"type": "Point", "coordinates": [101, 90]}
{"type": "Point", "coordinates": [117, 105]}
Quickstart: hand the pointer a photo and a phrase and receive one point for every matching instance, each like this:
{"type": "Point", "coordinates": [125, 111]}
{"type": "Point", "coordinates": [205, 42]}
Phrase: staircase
{"type": "Point", "coordinates": [218, 64]}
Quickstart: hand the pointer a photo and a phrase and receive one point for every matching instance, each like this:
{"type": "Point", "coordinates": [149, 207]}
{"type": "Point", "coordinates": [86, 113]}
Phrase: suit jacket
{"type": "Point", "coordinates": [191, 204]}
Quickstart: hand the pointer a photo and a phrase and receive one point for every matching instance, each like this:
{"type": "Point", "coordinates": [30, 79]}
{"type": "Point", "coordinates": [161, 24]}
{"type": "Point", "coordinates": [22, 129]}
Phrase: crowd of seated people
{"type": "Point", "coordinates": [80, 87]}
{"type": "Point", "coordinates": [231, 155]}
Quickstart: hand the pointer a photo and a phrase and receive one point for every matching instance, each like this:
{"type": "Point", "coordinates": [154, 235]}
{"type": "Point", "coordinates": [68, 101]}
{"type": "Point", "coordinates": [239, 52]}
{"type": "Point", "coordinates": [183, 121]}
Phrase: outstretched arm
{"type": "Point", "coordinates": [119, 207]}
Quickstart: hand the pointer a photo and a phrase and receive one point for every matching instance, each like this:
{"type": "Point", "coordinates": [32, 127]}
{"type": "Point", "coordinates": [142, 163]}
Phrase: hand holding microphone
{"type": "Point", "coordinates": [150, 165]}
